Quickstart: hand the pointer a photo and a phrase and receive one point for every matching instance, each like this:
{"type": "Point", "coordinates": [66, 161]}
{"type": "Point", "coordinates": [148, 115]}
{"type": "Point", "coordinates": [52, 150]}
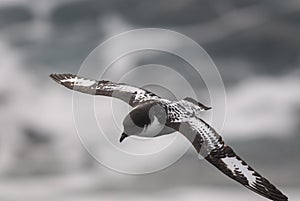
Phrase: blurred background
{"type": "Point", "coordinates": [255, 45]}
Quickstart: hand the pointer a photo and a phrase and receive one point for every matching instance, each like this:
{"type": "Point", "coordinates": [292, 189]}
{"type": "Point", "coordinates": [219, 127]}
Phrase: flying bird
{"type": "Point", "coordinates": [154, 116]}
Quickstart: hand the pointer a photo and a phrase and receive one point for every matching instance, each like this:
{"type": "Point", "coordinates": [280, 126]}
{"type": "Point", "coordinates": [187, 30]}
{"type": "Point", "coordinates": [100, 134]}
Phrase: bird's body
{"type": "Point", "coordinates": [154, 116]}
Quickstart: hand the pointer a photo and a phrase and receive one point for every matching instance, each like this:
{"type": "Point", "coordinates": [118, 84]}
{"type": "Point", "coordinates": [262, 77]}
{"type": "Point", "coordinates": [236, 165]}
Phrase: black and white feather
{"type": "Point", "coordinates": [182, 116]}
{"type": "Point", "coordinates": [210, 145]}
{"type": "Point", "coordinates": [129, 94]}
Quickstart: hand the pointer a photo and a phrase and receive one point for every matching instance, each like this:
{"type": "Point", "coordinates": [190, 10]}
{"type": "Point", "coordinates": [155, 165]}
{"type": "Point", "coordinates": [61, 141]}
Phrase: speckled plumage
{"type": "Point", "coordinates": [183, 116]}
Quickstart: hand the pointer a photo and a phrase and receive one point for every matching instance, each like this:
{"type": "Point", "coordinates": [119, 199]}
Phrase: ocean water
{"type": "Point", "coordinates": [254, 45]}
{"type": "Point", "coordinates": [79, 187]}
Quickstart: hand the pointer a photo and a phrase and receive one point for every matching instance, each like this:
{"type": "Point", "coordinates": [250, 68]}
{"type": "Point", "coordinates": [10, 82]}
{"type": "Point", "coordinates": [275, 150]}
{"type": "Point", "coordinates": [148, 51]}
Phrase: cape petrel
{"type": "Point", "coordinates": [154, 116]}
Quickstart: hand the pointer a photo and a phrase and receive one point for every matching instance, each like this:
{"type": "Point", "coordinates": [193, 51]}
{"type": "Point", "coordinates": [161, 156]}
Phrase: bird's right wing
{"type": "Point", "coordinates": [210, 145]}
{"type": "Point", "coordinates": [129, 94]}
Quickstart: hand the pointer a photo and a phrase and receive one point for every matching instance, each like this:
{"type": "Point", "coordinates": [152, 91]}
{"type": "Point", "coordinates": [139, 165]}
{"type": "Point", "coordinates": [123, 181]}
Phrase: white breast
{"type": "Point", "coordinates": [153, 129]}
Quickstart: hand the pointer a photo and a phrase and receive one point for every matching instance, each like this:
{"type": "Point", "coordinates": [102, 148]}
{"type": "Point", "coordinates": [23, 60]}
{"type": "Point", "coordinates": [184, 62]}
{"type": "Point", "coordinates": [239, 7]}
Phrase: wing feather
{"type": "Point", "coordinates": [210, 145]}
{"type": "Point", "coordinates": [129, 94]}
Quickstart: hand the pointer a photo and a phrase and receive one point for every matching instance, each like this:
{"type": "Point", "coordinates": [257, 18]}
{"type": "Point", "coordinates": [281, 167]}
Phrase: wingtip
{"type": "Point", "coordinates": [55, 77]}
{"type": "Point", "coordinates": [61, 76]}
{"type": "Point", "coordinates": [52, 75]}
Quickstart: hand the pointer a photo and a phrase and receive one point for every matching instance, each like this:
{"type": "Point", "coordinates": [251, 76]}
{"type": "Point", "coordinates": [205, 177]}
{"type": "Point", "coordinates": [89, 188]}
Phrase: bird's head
{"type": "Point", "coordinates": [141, 117]}
{"type": "Point", "coordinates": [135, 122]}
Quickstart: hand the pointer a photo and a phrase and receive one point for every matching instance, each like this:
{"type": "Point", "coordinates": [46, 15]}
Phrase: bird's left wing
{"type": "Point", "coordinates": [210, 145]}
{"type": "Point", "coordinates": [129, 94]}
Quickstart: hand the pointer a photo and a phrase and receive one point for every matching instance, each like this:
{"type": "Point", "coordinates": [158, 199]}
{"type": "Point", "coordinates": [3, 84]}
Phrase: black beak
{"type": "Point", "coordinates": [123, 136]}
